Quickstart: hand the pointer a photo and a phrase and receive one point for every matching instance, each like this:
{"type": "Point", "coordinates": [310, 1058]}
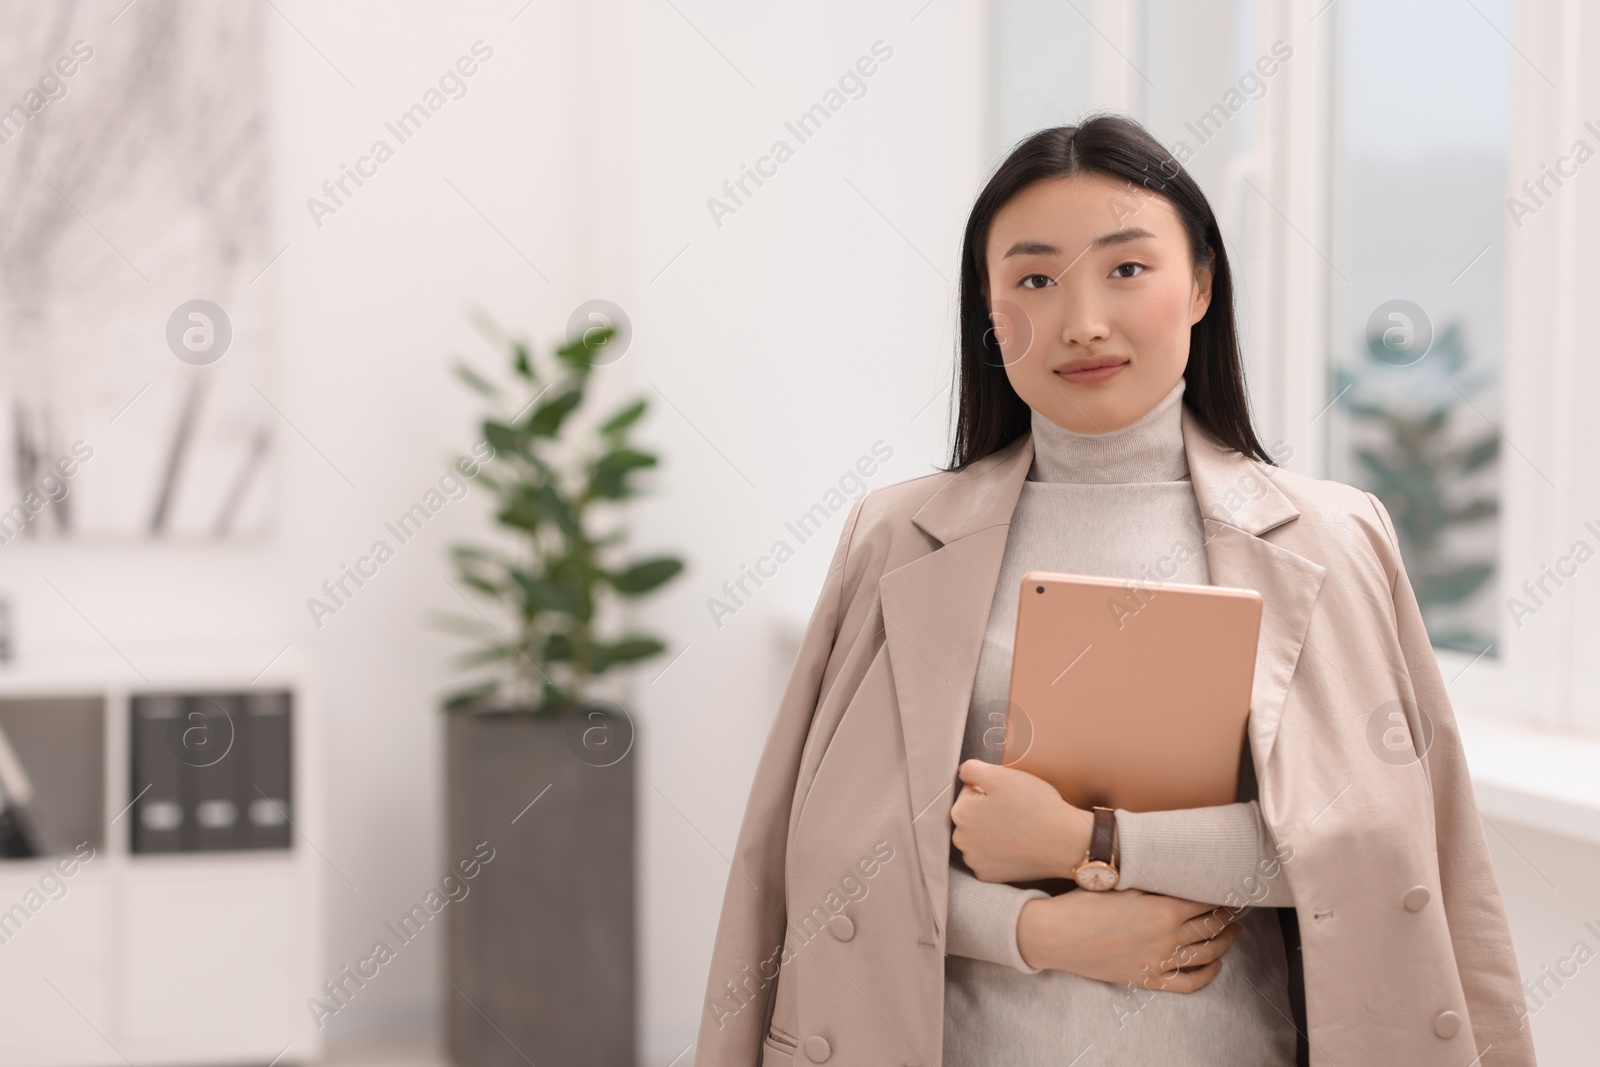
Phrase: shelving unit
{"type": "Point", "coordinates": [175, 958]}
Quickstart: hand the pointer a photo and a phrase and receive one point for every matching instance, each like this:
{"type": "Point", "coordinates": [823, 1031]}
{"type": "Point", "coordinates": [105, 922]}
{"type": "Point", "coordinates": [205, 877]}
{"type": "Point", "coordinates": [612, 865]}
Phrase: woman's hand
{"type": "Point", "coordinates": [1128, 936]}
{"type": "Point", "coordinates": [1012, 826]}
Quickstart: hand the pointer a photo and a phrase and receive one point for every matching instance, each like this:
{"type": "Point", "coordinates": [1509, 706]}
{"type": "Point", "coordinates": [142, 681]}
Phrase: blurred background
{"type": "Point", "coordinates": [245, 250]}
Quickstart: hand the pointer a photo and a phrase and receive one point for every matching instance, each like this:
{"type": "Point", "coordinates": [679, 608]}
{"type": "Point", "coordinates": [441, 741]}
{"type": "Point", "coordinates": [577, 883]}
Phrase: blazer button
{"type": "Point", "coordinates": [1416, 898]}
{"type": "Point", "coordinates": [1445, 1024]}
{"type": "Point", "coordinates": [842, 927]}
{"type": "Point", "coordinates": [817, 1048]}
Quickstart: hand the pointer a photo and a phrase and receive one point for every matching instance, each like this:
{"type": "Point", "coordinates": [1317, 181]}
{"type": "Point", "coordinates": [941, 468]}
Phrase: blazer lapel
{"type": "Point", "coordinates": [1239, 502]}
{"type": "Point", "coordinates": [936, 609]}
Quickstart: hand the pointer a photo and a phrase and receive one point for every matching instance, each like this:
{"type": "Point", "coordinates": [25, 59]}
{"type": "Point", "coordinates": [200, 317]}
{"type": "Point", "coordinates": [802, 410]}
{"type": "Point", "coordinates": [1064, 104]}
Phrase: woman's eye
{"type": "Point", "coordinates": [1047, 280]}
{"type": "Point", "coordinates": [1122, 266]}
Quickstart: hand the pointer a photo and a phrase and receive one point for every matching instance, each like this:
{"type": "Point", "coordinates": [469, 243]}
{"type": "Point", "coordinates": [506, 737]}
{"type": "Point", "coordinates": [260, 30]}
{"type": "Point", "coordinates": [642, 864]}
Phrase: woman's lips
{"type": "Point", "coordinates": [1094, 374]}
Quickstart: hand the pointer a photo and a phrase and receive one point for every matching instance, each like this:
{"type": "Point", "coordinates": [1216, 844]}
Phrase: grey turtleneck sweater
{"type": "Point", "coordinates": [1112, 504]}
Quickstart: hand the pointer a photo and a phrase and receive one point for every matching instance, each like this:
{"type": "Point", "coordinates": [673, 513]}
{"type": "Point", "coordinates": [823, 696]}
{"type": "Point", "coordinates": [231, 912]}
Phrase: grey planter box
{"type": "Point", "coordinates": [542, 949]}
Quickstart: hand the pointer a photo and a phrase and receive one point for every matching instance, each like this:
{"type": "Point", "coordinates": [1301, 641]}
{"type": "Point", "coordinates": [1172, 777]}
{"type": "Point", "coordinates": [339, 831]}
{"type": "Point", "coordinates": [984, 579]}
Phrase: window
{"type": "Point", "coordinates": [1421, 143]}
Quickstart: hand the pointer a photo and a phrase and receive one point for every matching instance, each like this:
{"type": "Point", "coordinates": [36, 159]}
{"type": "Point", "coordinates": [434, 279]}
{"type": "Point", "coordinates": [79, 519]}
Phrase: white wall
{"type": "Point", "coordinates": [815, 321]}
{"type": "Point", "coordinates": [1548, 882]}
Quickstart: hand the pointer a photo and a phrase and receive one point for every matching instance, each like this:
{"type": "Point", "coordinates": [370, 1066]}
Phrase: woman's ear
{"type": "Point", "coordinates": [1202, 296]}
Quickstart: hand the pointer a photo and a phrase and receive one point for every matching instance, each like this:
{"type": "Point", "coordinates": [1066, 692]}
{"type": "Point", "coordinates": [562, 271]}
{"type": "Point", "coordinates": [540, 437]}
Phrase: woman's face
{"type": "Point", "coordinates": [1092, 293]}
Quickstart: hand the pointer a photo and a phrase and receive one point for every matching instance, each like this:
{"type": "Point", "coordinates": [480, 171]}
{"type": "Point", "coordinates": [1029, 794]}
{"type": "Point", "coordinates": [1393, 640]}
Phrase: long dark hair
{"type": "Point", "coordinates": [991, 414]}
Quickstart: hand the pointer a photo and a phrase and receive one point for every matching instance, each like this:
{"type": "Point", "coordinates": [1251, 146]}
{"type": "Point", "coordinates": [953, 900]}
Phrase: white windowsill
{"type": "Point", "coordinates": [1541, 777]}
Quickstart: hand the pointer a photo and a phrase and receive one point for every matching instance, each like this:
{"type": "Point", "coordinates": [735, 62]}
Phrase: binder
{"type": "Point", "coordinates": [19, 833]}
{"type": "Point", "coordinates": [267, 795]}
{"type": "Point", "coordinates": [212, 753]}
{"type": "Point", "coordinates": [157, 812]}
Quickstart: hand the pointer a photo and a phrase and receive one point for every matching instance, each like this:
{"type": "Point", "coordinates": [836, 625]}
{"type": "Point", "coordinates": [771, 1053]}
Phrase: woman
{"type": "Point", "coordinates": [1344, 907]}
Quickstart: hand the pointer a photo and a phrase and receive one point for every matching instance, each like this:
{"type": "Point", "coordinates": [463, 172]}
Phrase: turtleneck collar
{"type": "Point", "coordinates": [1149, 449]}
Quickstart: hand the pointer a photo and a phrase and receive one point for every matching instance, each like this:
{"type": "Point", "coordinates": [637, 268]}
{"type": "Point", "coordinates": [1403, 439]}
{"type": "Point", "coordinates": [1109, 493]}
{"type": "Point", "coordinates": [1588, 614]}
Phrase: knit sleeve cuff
{"type": "Point", "coordinates": [1220, 855]}
{"type": "Point", "coordinates": [983, 919]}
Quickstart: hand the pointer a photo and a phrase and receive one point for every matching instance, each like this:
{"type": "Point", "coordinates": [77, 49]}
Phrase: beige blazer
{"type": "Point", "coordinates": [831, 941]}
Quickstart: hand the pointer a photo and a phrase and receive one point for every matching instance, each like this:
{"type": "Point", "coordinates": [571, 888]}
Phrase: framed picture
{"type": "Point", "coordinates": [136, 400]}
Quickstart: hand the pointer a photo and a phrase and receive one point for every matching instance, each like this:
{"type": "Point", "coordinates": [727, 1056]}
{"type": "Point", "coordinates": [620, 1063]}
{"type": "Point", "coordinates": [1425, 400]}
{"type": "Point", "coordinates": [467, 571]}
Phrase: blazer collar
{"type": "Point", "coordinates": [936, 608]}
{"type": "Point", "coordinates": [985, 493]}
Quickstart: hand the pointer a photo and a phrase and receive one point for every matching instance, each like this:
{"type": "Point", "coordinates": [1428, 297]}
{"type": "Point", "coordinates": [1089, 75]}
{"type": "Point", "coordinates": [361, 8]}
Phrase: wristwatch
{"type": "Point", "coordinates": [1098, 868]}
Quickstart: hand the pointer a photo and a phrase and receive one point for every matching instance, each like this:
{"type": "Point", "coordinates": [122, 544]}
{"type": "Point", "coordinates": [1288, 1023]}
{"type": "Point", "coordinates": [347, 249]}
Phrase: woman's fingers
{"type": "Point", "coordinates": [1202, 927]}
{"type": "Point", "coordinates": [1195, 909]}
{"type": "Point", "coordinates": [1184, 981]}
{"type": "Point", "coordinates": [1191, 966]}
{"type": "Point", "coordinates": [1144, 939]}
{"type": "Point", "coordinates": [1198, 952]}
{"type": "Point", "coordinates": [1203, 920]}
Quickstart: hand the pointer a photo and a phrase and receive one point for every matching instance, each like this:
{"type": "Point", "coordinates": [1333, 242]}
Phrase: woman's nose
{"type": "Point", "coordinates": [1083, 322]}
{"type": "Point", "coordinates": [1083, 318]}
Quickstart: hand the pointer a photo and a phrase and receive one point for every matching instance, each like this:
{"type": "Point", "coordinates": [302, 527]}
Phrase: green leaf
{"type": "Point", "coordinates": [547, 418]}
{"type": "Point", "coordinates": [609, 480]}
{"type": "Point", "coordinates": [502, 437]}
{"type": "Point", "coordinates": [495, 485]}
{"type": "Point", "coordinates": [539, 595]}
{"type": "Point", "coordinates": [624, 418]}
{"type": "Point", "coordinates": [1485, 450]}
{"type": "Point", "coordinates": [521, 513]}
{"type": "Point", "coordinates": [522, 364]}
{"type": "Point", "coordinates": [646, 575]}
{"type": "Point", "coordinates": [569, 587]}
{"type": "Point", "coordinates": [536, 505]}
{"type": "Point", "coordinates": [476, 381]}
{"type": "Point", "coordinates": [627, 650]}
{"type": "Point", "coordinates": [481, 584]}
{"type": "Point", "coordinates": [579, 352]}
{"type": "Point", "coordinates": [557, 648]}
{"type": "Point", "coordinates": [488, 655]}
{"type": "Point", "coordinates": [545, 504]}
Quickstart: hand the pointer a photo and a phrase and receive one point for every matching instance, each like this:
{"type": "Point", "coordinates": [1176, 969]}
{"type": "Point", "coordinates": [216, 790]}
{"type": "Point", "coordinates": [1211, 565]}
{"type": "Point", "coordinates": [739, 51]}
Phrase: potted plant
{"type": "Point", "coordinates": [541, 956]}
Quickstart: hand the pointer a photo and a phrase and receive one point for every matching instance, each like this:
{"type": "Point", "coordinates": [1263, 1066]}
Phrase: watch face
{"type": "Point", "coordinates": [1097, 875]}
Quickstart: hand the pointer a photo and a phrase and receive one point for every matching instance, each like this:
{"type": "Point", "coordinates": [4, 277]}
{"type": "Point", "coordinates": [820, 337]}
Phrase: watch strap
{"type": "Point", "coordinates": [1102, 839]}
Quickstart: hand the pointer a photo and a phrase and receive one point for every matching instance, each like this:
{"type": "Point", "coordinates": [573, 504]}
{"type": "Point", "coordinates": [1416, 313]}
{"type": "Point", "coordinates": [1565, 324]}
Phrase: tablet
{"type": "Point", "coordinates": [1132, 694]}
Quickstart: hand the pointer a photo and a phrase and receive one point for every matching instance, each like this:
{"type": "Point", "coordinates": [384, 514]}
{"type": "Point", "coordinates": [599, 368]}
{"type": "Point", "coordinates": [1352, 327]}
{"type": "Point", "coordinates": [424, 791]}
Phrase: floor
{"type": "Point", "coordinates": [411, 1052]}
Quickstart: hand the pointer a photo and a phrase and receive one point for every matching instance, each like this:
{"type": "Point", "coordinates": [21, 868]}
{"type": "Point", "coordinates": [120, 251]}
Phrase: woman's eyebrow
{"type": "Point", "coordinates": [1045, 248]}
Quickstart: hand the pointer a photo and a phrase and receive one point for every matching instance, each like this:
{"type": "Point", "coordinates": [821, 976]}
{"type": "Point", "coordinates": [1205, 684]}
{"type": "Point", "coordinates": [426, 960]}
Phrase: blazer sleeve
{"type": "Point", "coordinates": [746, 955]}
{"type": "Point", "coordinates": [1474, 908]}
